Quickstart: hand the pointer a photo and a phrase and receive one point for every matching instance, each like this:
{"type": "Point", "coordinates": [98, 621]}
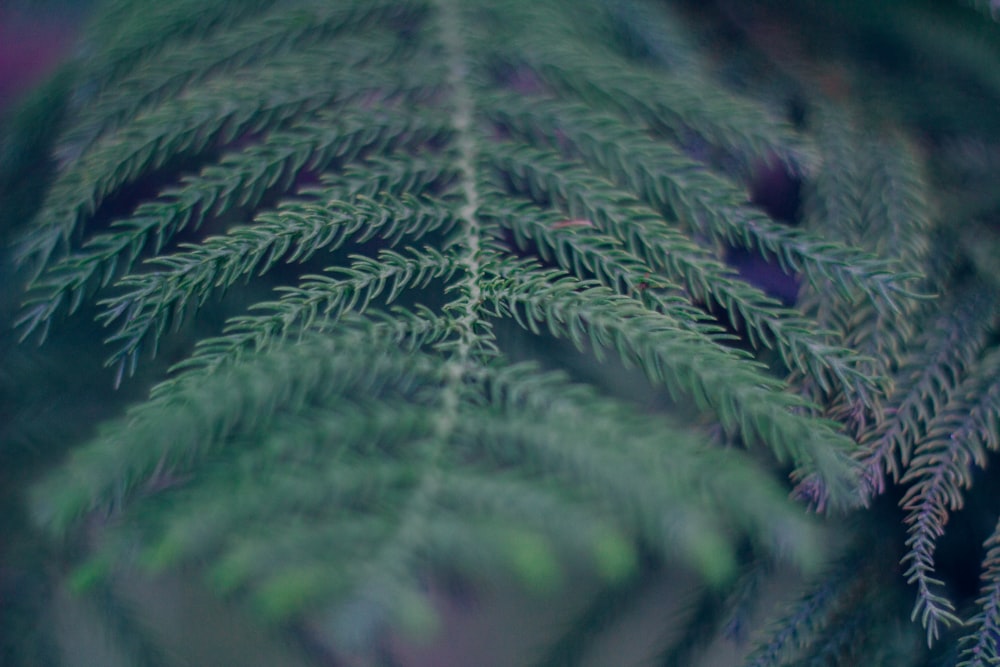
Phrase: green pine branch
{"type": "Point", "coordinates": [450, 233]}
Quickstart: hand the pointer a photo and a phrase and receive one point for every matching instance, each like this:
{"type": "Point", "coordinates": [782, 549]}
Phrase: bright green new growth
{"type": "Point", "coordinates": [434, 190]}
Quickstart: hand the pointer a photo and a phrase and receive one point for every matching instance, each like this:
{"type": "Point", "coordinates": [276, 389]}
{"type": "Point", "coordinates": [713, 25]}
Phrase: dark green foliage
{"type": "Point", "coordinates": [481, 332]}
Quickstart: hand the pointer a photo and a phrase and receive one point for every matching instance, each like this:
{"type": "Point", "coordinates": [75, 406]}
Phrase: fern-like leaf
{"type": "Point", "coordinates": [407, 204]}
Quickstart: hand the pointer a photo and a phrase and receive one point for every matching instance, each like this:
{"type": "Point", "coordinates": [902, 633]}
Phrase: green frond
{"type": "Point", "coordinates": [957, 439]}
{"type": "Point", "coordinates": [570, 486]}
{"type": "Point", "coordinates": [582, 253]}
{"type": "Point", "coordinates": [680, 260]}
{"type": "Point", "coordinates": [130, 33]}
{"type": "Point", "coordinates": [899, 214]}
{"type": "Point", "coordinates": [870, 195]}
{"type": "Point", "coordinates": [453, 298]}
{"type": "Point", "coordinates": [682, 106]}
{"type": "Point", "coordinates": [925, 383]}
{"type": "Point", "coordinates": [982, 645]}
{"type": "Point", "coordinates": [290, 319]}
{"type": "Point", "coordinates": [237, 181]}
{"type": "Point", "coordinates": [152, 301]}
{"type": "Point", "coordinates": [805, 619]}
{"type": "Point", "coordinates": [257, 39]}
{"type": "Point", "coordinates": [682, 189]}
{"type": "Point", "coordinates": [100, 475]}
{"type": "Point", "coordinates": [189, 124]}
{"type": "Point", "coordinates": [723, 476]}
{"type": "Point", "coordinates": [839, 617]}
{"type": "Point", "coordinates": [748, 404]}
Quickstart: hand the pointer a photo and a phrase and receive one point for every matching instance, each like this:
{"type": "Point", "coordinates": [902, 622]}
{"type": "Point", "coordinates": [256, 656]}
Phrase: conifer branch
{"type": "Point", "coordinates": [923, 386]}
{"type": "Point", "coordinates": [238, 180]}
{"type": "Point", "coordinates": [571, 62]}
{"type": "Point", "coordinates": [190, 124]}
{"type": "Point", "coordinates": [273, 34]}
{"type": "Point", "coordinates": [982, 646]}
{"type": "Point", "coordinates": [839, 615]}
{"type": "Point", "coordinates": [871, 196]}
{"type": "Point", "coordinates": [671, 354]}
{"type": "Point", "coordinates": [390, 573]}
{"type": "Point", "coordinates": [105, 474]}
{"type": "Point", "coordinates": [440, 198]}
{"type": "Point", "coordinates": [685, 263]}
{"type": "Point", "coordinates": [942, 467]}
{"type": "Point", "coordinates": [154, 300]}
{"type": "Point", "coordinates": [130, 34]}
{"type": "Point", "coordinates": [805, 618]}
{"type": "Point", "coordinates": [706, 203]}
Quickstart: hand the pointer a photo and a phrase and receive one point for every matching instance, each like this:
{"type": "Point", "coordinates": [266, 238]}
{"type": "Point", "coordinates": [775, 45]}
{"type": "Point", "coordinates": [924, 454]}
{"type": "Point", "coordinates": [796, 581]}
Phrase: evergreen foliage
{"type": "Point", "coordinates": [485, 327]}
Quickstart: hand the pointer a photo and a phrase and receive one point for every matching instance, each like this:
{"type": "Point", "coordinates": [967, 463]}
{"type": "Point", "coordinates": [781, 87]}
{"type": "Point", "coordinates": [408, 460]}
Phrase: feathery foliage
{"type": "Point", "coordinates": [485, 329]}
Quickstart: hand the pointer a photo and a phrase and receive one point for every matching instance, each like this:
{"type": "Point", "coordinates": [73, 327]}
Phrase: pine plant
{"type": "Point", "coordinates": [430, 298]}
